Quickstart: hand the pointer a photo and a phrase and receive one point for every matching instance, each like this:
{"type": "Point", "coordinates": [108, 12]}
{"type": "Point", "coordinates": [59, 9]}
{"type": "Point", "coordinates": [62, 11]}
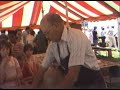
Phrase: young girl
{"type": "Point", "coordinates": [10, 72]}
{"type": "Point", "coordinates": [31, 64]}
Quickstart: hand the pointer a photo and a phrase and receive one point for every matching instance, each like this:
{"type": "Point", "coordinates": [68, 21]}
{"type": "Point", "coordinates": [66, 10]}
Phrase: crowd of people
{"type": "Point", "coordinates": [17, 61]}
{"type": "Point", "coordinates": [106, 38]}
{"type": "Point", "coordinates": [69, 52]}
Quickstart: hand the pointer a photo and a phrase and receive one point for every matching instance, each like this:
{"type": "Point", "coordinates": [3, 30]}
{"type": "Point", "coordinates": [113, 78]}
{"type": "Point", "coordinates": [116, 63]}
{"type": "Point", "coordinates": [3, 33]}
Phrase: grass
{"type": "Point", "coordinates": [115, 54]}
{"type": "Point", "coordinates": [104, 55]}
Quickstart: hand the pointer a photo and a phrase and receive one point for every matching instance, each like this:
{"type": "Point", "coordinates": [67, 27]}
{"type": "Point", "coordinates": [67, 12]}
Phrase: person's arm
{"type": "Point", "coordinates": [70, 78]}
{"type": "Point", "coordinates": [38, 78]}
{"type": "Point", "coordinates": [47, 61]}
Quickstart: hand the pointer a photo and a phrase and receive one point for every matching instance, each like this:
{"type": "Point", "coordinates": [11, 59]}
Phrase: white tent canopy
{"type": "Point", "coordinates": [14, 14]}
{"type": "Point", "coordinates": [25, 13]}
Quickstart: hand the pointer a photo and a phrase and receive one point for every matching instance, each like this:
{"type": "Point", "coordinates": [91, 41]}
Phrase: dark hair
{"type": "Point", "coordinates": [95, 27]}
{"type": "Point", "coordinates": [12, 36]}
{"type": "Point", "coordinates": [17, 30]}
{"type": "Point", "coordinates": [28, 47]}
{"type": "Point", "coordinates": [7, 45]}
{"type": "Point", "coordinates": [112, 26]}
{"type": "Point", "coordinates": [28, 28]}
{"type": "Point", "coordinates": [3, 31]}
{"type": "Point", "coordinates": [11, 32]}
{"type": "Point", "coordinates": [102, 28]}
{"type": "Point", "coordinates": [32, 32]}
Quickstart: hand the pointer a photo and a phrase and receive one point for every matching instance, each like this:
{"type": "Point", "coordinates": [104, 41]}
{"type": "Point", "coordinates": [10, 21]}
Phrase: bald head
{"type": "Point", "coordinates": [49, 21]}
{"type": "Point", "coordinates": [53, 24]}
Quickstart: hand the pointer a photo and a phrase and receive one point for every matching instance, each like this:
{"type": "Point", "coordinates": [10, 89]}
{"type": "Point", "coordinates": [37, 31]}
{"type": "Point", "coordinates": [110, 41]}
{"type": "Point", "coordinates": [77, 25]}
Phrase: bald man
{"type": "Point", "coordinates": [71, 49]}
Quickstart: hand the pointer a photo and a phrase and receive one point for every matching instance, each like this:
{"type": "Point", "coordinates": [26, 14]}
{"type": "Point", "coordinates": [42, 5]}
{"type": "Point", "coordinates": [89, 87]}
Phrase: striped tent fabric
{"type": "Point", "coordinates": [15, 14]}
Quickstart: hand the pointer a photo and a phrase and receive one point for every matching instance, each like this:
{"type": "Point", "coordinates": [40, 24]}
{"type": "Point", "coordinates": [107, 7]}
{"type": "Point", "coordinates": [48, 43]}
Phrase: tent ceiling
{"type": "Point", "coordinates": [25, 13]}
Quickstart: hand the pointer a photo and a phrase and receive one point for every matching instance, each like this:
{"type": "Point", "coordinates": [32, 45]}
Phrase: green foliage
{"type": "Point", "coordinates": [104, 55]}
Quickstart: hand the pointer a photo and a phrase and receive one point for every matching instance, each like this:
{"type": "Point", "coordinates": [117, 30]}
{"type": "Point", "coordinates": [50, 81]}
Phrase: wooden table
{"type": "Point", "coordinates": [107, 64]}
{"type": "Point", "coordinates": [109, 50]}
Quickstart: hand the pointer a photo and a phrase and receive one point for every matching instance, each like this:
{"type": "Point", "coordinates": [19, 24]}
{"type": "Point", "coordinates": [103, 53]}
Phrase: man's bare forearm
{"type": "Point", "coordinates": [70, 78]}
{"type": "Point", "coordinates": [38, 77]}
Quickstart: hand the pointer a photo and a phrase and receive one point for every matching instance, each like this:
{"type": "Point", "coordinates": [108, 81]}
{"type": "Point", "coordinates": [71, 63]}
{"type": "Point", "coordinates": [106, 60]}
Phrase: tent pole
{"type": "Point", "coordinates": [119, 35]}
{"type": "Point", "coordinates": [67, 22]}
{"type": "Point", "coordinates": [119, 30]}
{"type": "Point", "coordinates": [42, 9]}
{"type": "Point", "coordinates": [83, 26]}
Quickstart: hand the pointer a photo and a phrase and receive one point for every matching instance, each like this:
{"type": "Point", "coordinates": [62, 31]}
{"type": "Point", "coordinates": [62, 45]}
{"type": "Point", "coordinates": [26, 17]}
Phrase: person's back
{"type": "Point", "coordinates": [40, 43]}
{"type": "Point", "coordinates": [103, 32]}
{"type": "Point", "coordinates": [95, 37]}
{"type": "Point", "coordinates": [78, 40]}
{"type": "Point", "coordinates": [86, 58]}
{"type": "Point", "coordinates": [94, 34]}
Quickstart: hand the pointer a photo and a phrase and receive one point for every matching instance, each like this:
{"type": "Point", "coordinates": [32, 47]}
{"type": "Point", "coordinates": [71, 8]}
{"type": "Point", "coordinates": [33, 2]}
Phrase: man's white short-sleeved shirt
{"type": "Point", "coordinates": [79, 46]}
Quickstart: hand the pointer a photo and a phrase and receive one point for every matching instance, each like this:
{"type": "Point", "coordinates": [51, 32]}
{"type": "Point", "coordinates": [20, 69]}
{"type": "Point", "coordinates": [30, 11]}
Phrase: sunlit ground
{"type": "Point", "coordinates": [115, 54]}
{"type": "Point", "coordinates": [104, 55]}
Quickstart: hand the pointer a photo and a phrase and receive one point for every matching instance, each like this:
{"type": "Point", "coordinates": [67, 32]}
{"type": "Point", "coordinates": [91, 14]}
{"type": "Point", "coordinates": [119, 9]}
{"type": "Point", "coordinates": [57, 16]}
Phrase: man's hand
{"type": "Point", "coordinates": [38, 77]}
{"type": "Point", "coordinates": [70, 78]}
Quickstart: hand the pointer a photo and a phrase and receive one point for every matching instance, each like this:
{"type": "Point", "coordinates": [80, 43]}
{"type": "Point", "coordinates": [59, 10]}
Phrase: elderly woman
{"type": "Point", "coordinates": [10, 71]}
